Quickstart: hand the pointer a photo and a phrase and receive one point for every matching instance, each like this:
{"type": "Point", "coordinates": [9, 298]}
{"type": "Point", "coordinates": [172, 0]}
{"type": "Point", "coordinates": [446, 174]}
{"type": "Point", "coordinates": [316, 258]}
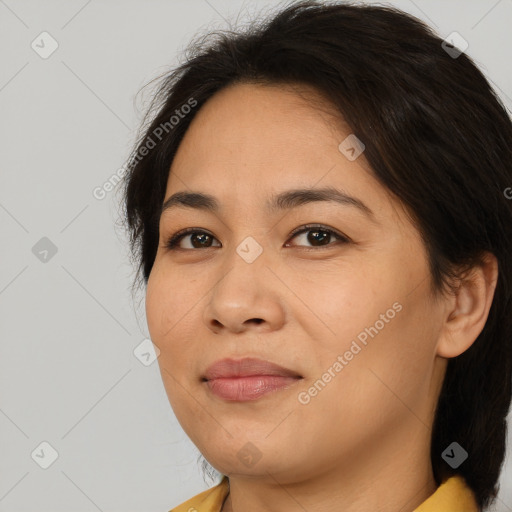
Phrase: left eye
{"type": "Point", "coordinates": [317, 237]}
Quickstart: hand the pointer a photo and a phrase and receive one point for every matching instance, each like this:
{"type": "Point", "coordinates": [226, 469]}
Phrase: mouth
{"type": "Point", "coordinates": [247, 379]}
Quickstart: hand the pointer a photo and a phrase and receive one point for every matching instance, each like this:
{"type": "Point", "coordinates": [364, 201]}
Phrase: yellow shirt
{"type": "Point", "coordinates": [453, 495]}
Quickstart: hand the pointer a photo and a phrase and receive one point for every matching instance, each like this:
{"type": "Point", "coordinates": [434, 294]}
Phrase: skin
{"type": "Point", "coordinates": [370, 426]}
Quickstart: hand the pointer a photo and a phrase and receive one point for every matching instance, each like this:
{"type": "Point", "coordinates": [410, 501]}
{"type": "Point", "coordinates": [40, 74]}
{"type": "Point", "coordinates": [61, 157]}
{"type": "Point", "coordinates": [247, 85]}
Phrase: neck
{"type": "Point", "coordinates": [388, 479]}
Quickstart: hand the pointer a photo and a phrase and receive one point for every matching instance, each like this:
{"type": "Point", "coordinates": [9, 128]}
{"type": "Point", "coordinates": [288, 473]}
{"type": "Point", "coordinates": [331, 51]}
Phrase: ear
{"type": "Point", "coordinates": [467, 310]}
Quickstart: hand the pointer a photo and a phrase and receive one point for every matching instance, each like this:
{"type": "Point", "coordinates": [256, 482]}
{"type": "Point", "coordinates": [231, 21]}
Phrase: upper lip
{"type": "Point", "coordinates": [226, 368]}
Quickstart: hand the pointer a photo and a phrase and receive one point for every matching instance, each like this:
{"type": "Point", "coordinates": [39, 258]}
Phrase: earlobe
{"type": "Point", "coordinates": [468, 309]}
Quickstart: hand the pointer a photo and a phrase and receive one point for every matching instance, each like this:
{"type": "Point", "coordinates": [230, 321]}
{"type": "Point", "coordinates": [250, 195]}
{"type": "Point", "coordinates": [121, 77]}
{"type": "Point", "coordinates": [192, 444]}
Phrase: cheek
{"type": "Point", "coordinates": [370, 317]}
{"type": "Point", "coordinates": [378, 386]}
{"type": "Point", "coordinates": [168, 313]}
{"type": "Point", "coordinates": [338, 303]}
{"type": "Point", "coordinates": [169, 299]}
{"type": "Point", "coordinates": [391, 370]}
{"type": "Point", "coordinates": [170, 321]}
{"type": "Point", "coordinates": [151, 305]}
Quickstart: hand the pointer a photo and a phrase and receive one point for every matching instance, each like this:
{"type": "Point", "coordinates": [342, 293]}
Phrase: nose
{"type": "Point", "coordinates": [246, 296]}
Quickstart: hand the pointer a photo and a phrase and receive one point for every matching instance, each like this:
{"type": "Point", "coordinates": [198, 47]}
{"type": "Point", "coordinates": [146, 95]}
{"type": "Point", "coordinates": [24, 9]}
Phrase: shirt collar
{"type": "Point", "coordinates": [452, 495]}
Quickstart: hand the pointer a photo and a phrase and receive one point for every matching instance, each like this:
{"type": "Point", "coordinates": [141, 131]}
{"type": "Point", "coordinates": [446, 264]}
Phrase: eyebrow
{"type": "Point", "coordinates": [282, 201]}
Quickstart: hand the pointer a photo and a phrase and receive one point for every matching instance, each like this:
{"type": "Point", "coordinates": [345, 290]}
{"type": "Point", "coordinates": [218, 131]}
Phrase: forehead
{"type": "Point", "coordinates": [250, 141]}
{"type": "Point", "coordinates": [284, 117]}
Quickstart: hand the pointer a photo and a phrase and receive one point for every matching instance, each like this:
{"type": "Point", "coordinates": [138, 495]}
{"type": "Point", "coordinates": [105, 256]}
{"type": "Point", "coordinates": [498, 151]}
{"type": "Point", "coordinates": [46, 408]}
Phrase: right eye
{"type": "Point", "coordinates": [199, 240]}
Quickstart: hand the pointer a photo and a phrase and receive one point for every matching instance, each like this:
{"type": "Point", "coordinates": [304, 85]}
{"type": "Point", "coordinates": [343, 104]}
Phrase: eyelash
{"type": "Point", "coordinates": [174, 240]}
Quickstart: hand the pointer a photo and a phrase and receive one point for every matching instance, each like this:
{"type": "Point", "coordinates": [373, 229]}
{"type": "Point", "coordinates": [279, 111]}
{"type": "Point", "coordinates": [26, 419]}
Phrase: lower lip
{"type": "Point", "coordinates": [243, 389]}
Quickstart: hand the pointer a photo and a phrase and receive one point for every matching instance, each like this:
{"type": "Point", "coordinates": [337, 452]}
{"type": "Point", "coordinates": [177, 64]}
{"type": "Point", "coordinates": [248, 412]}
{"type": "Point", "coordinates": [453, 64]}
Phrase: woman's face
{"type": "Point", "coordinates": [352, 317]}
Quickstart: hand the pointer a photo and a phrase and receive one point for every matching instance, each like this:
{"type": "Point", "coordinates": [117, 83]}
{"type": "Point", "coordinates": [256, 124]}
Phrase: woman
{"type": "Point", "coordinates": [318, 209]}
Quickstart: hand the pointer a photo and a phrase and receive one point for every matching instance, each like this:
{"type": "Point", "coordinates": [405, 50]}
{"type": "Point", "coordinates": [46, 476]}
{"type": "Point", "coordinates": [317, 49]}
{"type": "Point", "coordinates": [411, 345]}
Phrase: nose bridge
{"type": "Point", "coordinates": [245, 266]}
{"type": "Point", "coordinates": [244, 291]}
{"type": "Point", "coordinates": [250, 249]}
{"type": "Point", "coordinates": [249, 237]}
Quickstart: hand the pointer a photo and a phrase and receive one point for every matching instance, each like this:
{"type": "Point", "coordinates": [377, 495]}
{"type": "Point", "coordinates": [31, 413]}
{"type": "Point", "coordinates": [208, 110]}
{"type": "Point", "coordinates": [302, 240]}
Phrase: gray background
{"type": "Point", "coordinates": [69, 327]}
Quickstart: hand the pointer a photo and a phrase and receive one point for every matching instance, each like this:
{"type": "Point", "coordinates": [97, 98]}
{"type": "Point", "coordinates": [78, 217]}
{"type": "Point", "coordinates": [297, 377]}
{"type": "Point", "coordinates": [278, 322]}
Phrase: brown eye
{"type": "Point", "coordinates": [198, 239]}
{"type": "Point", "coordinates": [319, 236]}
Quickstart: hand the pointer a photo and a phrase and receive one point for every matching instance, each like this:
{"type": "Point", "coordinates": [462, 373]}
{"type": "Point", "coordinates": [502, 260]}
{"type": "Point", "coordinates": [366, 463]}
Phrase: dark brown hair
{"type": "Point", "coordinates": [436, 135]}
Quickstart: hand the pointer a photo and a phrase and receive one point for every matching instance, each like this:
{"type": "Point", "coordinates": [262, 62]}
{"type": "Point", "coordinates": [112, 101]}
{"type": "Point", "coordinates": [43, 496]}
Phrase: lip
{"type": "Point", "coordinates": [246, 367]}
{"type": "Point", "coordinates": [247, 379]}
